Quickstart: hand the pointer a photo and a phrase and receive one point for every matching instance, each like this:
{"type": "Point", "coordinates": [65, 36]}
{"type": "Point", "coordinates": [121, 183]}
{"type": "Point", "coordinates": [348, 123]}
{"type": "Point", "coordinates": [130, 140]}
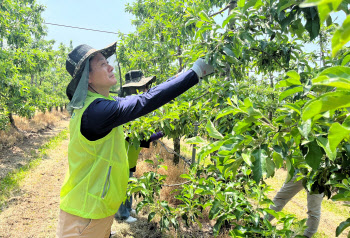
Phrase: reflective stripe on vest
{"type": "Point", "coordinates": [98, 173]}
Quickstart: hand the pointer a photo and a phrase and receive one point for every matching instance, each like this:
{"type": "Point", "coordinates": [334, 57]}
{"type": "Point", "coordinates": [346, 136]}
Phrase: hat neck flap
{"type": "Point", "coordinates": [80, 93]}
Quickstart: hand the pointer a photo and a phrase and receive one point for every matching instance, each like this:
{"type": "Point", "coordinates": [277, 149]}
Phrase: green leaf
{"type": "Point", "coordinates": [290, 169]}
{"type": "Point", "coordinates": [326, 102]}
{"type": "Point", "coordinates": [341, 36]}
{"type": "Point", "coordinates": [282, 84]}
{"type": "Point", "coordinates": [337, 76]}
{"type": "Point", "coordinates": [246, 36]}
{"type": "Point", "coordinates": [227, 111]}
{"type": "Point", "coordinates": [282, 5]}
{"type": "Point", "coordinates": [185, 176]}
{"type": "Point", "coordinates": [248, 159]}
{"type": "Point", "coordinates": [227, 20]}
{"type": "Point", "coordinates": [341, 197]}
{"type": "Point", "coordinates": [212, 131]}
{"type": "Point", "coordinates": [278, 159]}
{"type": "Point", "coordinates": [305, 128]}
{"type": "Point", "coordinates": [323, 142]}
{"type": "Point", "coordinates": [235, 166]}
{"type": "Point", "coordinates": [299, 28]}
{"type": "Point", "coordinates": [240, 3]}
{"type": "Point", "coordinates": [204, 16]}
{"type": "Point", "coordinates": [258, 4]}
{"type": "Point", "coordinates": [149, 161]}
{"type": "Point", "coordinates": [165, 205]}
{"type": "Point", "coordinates": [314, 155]}
{"type": "Point", "coordinates": [136, 189]}
{"type": "Point", "coordinates": [164, 221]}
{"type": "Point", "coordinates": [270, 167]}
{"type": "Point", "coordinates": [293, 107]}
{"type": "Point", "coordinates": [151, 216]}
{"type": "Point", "coordinates": [190, 22]}
{"type": "Point", "coordinates": [259, 165]}
{"type": "Point", "coordinates": [324, 6]}
{"type": "Point", "coordinates": [163, 166]}
{"type": "Point", "coordinates": [215, 209]}
{"type": "Point", "coordinates": [249, 4]}
{"type": "Point", "coordinates": [218, 224]}
{"type": "Point", "coordinates": [342, 226]}
{"type": "Point", "coordinates": [323, 11]}
{"type": "Point", "coordinates": [198, 190]}
{"type": "Point", "coordinates": [345, 60]}
{"type": "Point", "coordinates": [290, 91]}
{"type": "Point", "coordinates": [295, 76]}
{"type": "Point", "coordinates": [312, 22]}
{"type": "Point", "coordinates": [196, 140]}
{"type": "Point", "coordinates": [329, 21]}
{"type": "Point", "coordinates": [199, 24]}
{"type": "Point", "coordinates": [336, 134]}
{"type": "Point", "coordinates": [229, 52]}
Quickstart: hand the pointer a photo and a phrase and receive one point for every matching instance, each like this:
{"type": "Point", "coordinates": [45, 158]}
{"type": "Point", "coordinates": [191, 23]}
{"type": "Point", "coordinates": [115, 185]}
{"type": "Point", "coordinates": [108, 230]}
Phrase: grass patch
{"type": "Point", "coordinates": [12, 179]}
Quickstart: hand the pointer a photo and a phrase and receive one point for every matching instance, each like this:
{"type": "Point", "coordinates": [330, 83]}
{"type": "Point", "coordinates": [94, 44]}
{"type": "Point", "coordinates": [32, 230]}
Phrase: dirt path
{"type": "Point", "coordinates": [332, 213]}
{"type": "Point", "coordinates": [20, 154]}
{"type": "Point", "coordinates": [32, 212]}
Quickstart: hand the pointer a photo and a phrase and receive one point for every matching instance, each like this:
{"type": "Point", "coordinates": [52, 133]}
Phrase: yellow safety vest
{"type": "Point", "coordinates": [96, 181]}
{"type": "Point", "coordinates": [133, 154]}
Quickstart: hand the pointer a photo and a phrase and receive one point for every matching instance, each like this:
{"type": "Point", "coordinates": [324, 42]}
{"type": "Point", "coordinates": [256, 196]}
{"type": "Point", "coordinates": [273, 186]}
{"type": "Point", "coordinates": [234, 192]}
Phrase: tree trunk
{"type": "Point", "coordinates": [177, 149]}
{"type": "Point", "coordinates": [32, 79]}
{"type": "Point", "coordinates": [179, 52]}
{"type": "Point", "coordinates": [12, 121]}
{"type": "Point", "coordinates": [322, 60]}
{"type": "Point", "coordinates": [273, 97]}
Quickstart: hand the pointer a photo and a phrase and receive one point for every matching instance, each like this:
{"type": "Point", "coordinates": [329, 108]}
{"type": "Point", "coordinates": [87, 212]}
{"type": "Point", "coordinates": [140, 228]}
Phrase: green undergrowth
{"type": "Point", "coordinates": [11, 182]}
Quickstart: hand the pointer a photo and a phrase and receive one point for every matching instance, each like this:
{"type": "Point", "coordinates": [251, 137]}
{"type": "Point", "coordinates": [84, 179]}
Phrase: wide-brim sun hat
{"type": "Point", "coordinates": [76, 60]}
{"type": "Point", "coordinates": [135, 78]}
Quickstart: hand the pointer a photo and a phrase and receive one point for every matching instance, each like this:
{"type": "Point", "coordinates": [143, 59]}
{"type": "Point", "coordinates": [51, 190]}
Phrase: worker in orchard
{"type": "Point", "coordinates": [97, 177]}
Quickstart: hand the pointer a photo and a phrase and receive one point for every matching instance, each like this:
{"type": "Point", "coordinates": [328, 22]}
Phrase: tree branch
{"type": "Point", "coordinates": [173, 185]}
{"type": "Point", "coordinates": [216, 13]}
{"type": "Point", "coordinates": [207, 91]}
{"type": "Point", "coordinates": [230, 6]}
{"type": "Point", "coordinates": [187, 161]}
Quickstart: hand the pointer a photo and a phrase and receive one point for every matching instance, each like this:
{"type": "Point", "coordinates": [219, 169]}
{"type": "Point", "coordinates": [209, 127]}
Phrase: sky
{"type": "Point", "coordinates": [107, 15]}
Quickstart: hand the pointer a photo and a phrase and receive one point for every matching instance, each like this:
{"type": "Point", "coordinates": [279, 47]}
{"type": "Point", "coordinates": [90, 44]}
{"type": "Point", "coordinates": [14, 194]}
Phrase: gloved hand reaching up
{"type": "Point", "coordinates": [201, 68]}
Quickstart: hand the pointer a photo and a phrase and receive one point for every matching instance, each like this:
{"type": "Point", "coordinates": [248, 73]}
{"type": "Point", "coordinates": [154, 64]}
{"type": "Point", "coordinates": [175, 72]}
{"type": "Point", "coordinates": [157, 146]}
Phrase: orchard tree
{"type": "Point", "coordinates": [26, 60]}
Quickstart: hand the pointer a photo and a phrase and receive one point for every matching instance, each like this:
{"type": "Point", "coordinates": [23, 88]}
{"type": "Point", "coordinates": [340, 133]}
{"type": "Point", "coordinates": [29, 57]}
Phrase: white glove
{"type": "Point", "coordinates": [201, 68]}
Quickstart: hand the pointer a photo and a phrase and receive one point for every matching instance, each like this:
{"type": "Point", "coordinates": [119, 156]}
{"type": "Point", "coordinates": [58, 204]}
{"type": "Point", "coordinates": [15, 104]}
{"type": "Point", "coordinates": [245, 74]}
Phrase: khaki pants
{"type": "Point", "coordinates": [287, 192]}
{"type": "Point", "coordinates": [73, 226]}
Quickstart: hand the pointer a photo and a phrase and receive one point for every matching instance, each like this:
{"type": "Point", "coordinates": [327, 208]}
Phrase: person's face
{"type": "Point", "coordinates": [144, 88]}
{"type": "Point", "coordinates": [133, 90]}
{"type": "Point", "coordinates": [101, 74]}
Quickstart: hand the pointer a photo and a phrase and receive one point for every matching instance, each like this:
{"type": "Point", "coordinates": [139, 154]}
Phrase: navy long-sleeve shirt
{"type": "Point", "coordinates": [102, 115]}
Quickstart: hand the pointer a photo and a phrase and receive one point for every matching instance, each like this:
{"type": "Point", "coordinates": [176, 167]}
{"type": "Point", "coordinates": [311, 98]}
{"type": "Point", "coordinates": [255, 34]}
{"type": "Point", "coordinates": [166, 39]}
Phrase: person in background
{"type": "Point", "coordinates": [135, 82]}
{"type": "Point", "coordinates": [98, 170]}
{"type": "Point", "coordinates": [314, 201]}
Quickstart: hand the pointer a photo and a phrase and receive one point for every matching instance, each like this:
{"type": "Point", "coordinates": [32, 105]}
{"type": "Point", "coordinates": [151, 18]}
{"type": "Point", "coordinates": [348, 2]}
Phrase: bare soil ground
{"type": "Point", "coordinates": [32, 211]}
{"type": "Point", "coordinates": [332, 213]}
{"type": "Point", "coordinates": [22, 148]}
